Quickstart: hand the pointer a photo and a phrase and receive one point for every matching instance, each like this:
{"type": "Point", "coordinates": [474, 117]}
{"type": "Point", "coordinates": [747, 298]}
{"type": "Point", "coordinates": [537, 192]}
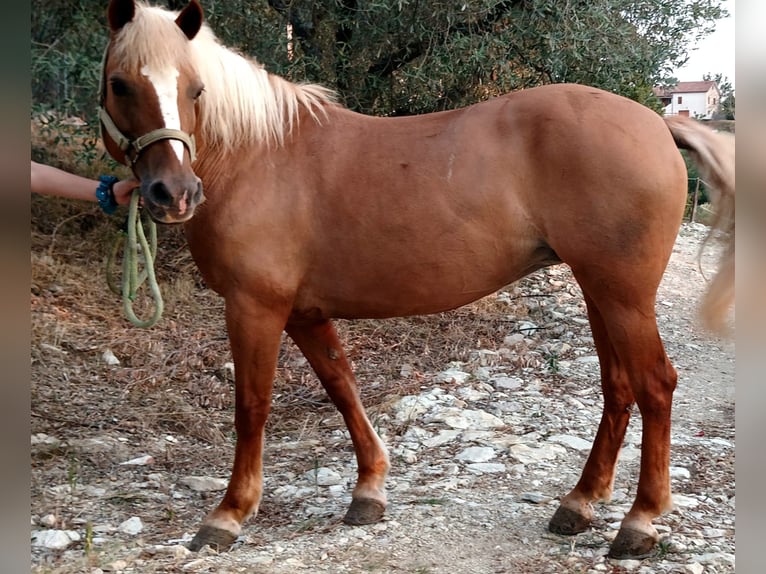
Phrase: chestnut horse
{"type": "Point", "coordinates": [312, 212]}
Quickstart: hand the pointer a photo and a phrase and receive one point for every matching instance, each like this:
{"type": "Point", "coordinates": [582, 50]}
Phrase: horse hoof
{"type": "Point", "coordinates": [364, 511]}
{"type": "Point", "coordinates": [567, 521]}
{"type": "Point", "coordinates": [217, 538]}
{"type": "Point", "coordinates": [631, 543]}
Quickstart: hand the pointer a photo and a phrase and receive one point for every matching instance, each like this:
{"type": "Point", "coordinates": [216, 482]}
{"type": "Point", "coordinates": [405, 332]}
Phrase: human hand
{"type": "Point", "coordinates": [123, 190]}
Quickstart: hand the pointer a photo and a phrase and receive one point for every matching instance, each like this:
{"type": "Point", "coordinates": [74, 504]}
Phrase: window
{"type": "Point", "coordinates": [680, 99]}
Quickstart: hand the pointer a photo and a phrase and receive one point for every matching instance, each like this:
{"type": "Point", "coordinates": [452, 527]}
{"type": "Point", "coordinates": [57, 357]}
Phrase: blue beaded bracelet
{"type": "Point", "coordinates": [105, 193]}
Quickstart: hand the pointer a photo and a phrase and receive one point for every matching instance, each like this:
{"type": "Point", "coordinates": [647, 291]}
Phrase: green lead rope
{"type": "Point", "coordinates": [137, 246]}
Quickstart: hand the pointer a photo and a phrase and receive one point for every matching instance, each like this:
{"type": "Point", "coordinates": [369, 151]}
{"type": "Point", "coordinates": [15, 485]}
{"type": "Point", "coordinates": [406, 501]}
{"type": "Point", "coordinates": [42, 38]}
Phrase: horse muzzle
{"type": "Point", "coordinates": [172, 201]}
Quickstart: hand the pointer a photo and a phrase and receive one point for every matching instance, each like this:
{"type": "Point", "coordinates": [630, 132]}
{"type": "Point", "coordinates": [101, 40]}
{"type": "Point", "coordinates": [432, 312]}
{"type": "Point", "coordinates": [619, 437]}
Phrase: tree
{"type": "Point", "coordinates": [395, 57]}
{"type": "Point", "coordinates": [412, 56]}
{"type": "Point", "coordinates": [726, 106]}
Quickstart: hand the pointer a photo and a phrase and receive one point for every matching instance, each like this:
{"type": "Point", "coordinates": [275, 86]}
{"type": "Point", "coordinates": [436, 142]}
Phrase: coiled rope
{"type": "Point", "coordinates": [136, 248]}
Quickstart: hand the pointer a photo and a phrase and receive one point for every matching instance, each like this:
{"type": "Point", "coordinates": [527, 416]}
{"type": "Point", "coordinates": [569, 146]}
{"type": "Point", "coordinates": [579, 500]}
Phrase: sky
{"type": "Point", "coordinates": [715, 53]}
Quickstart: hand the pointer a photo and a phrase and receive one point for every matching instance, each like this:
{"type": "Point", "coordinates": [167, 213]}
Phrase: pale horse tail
{"type": "Point", "coordinates": [713, 153]}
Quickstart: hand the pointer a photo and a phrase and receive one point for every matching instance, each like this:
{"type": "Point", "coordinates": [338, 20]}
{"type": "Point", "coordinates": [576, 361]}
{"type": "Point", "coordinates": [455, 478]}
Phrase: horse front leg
{"type": "Point", "coordinates": [320, 345]}
{"type": "Point", "coordinates": [255, 336]}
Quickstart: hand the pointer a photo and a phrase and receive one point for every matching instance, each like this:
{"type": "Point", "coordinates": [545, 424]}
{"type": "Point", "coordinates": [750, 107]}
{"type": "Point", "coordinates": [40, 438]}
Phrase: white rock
{"type": "Point", "coordinates": [685, 501]}
{"type": "Point", "coordinates": [93, 491]}
{"type": "Point", "coordinates": [476, 454]}
{"type": "Point", "coordinates": [471, 394]}
{"type": "Point", "coordinates": [694, 568]}
{"type": "Point", "coordinates": [443, 437]}
{"type": "Point", "coordinates": [455, 376]}
{"type": "Point", "coordinates": [526, 327]}
{"type": "Point", "coordinates": [44, 441]}
{"type": "Point", "coordinates": [526, 454]}
{"type": "Point", "coordinates": [572, 441]}
{"type": "Point", "coordinates": [131, 526]}
{"type": "Point", "coordinates": [679, 472]}
{"type": "Point", "coordinates": [55, 539]}
{"type": "Point", "coordinates": [721, 442]}
{"type": "Point", "coordinates": [117, 566]}
{"type": "Point", "coordinates": [204, 483]}
{"type": "Point", "coordinates": [513, 339]}
{"type": "Point", "coordinates": [507, 383]}
{"type": "Point", "coordinates": [101, 444]}
{"type": "Point", "coordinates": [408, 456]}
{"type": "Point", "coordinates": [323, 476]}
{"type": "Point", "coordinates": [629, 453]}
{"type": "Point", "coordinates": [139, 461]}
{"type": "Point", "coordinates": [714, 558]}
{"type": "Point", "coordinates": [587, 359]}
{"type": "Point", "coordinates": [485, 467]}
{"type": "Point", "coordinates": [109, 358]}
{"type": "Point", "coordinates": [408, 408]}
{"type": "Point", "coordinates": [174, 550]}
{"type": "Point", "coordinates": [466, 418]}
{"type": "Point", "coordinates": [194, 564]}
{"type": "Point", "coordinates": [48, 520]}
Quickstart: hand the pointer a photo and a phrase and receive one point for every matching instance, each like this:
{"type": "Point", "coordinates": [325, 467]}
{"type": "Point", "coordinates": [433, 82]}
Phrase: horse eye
{"type": "Point", "coordinates": [199, 93]}
{"type": "Point", "coordinates": [119, 87]}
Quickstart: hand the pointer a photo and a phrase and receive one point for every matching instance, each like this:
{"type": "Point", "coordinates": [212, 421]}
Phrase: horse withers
{"type": "Point", "coordinates": [313, 212]}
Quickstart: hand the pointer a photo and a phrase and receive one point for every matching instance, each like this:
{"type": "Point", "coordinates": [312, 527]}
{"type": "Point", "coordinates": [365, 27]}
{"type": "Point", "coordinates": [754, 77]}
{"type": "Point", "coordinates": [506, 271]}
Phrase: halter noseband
{"type": "Point", "coordinates": [133, 148]}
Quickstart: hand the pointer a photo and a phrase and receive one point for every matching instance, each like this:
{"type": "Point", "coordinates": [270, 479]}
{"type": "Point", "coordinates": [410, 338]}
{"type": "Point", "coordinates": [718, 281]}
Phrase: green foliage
{"type": "Point", "coordinates": [393, 57]}
{"type": "Point", "coordinates": [726, 109]}
{"type": "Point", "coordinates": [396, 57]}
{"type": "Point", "coordinates": [68, 38]}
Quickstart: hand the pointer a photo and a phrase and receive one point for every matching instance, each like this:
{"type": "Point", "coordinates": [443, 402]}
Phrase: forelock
{"type": "Point", "coordinates": [151, 39]}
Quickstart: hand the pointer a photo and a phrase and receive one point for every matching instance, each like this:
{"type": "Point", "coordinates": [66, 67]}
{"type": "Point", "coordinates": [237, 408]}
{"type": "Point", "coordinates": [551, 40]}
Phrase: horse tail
{"type": "Point", "coordinates": [713, 153]}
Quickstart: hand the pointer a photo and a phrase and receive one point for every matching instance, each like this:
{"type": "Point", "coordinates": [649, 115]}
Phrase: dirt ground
{"type": "Point", "coordinates": [114, 443]}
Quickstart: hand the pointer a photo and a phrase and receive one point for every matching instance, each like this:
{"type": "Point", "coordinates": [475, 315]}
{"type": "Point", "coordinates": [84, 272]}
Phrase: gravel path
{"type": "Point", "coordinates": [480, 453]}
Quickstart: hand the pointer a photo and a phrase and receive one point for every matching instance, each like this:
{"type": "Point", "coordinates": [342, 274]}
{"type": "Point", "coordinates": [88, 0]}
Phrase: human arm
{"type": "Point", "coordinates": [48, 180]}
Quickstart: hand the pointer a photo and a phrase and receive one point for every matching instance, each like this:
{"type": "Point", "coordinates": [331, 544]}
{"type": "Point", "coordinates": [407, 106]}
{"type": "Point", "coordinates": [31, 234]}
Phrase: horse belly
{"type": "Point", "coordinates": [420, 281]}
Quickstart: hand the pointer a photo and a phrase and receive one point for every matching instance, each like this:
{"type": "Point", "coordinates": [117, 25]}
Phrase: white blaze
{"type": "Point", "coordinates": [165, 83]}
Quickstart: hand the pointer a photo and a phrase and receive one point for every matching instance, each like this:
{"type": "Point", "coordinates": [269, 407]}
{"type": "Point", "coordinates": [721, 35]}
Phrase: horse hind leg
{"type": "Point", "coordinates": [320, 345]}
{"type": "Point", "coordinates": [627, 314]}
{"type": "Point", "coordinates": [575, 511]}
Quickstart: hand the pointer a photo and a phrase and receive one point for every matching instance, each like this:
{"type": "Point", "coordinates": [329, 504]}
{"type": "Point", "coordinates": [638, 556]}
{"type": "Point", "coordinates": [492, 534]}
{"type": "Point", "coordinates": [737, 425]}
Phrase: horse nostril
{"type": "Point", "coordinates": [198, 192]}
{"type": "Point", "coordinates": [159, 193]}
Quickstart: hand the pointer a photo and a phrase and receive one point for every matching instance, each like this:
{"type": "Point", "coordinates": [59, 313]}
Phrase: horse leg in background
{"type": "Point", "coordinates": [255, 336]}
{"type": "Point", "coordinates": [320, 345]}
{"type": "Point", "coordinates": [628, 316]}
{"type": "Point", "coordinates": [575, 512]}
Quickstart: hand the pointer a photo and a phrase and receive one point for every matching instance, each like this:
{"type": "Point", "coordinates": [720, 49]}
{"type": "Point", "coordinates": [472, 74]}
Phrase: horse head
{"type": "Point", "coordinates": [149, 104]}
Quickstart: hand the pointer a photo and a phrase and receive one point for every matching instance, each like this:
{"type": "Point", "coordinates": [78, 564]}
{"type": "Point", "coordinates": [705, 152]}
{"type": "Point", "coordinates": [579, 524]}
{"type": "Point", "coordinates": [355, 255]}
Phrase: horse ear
{"type": "Point", "coordinates": [120, 12]}
{"type": "Point", "coordinates": [190, 19]}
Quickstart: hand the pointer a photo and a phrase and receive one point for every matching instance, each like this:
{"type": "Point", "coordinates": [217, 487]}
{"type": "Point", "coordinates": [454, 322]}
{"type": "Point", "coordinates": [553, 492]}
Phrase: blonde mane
{"type": "Point", "coordinates": [242, 103]}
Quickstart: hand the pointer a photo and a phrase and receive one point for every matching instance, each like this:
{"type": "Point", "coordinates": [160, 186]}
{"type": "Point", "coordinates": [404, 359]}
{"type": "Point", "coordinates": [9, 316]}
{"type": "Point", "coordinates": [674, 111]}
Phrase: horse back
{"type": "Point", "coordinates": [395, 216]}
